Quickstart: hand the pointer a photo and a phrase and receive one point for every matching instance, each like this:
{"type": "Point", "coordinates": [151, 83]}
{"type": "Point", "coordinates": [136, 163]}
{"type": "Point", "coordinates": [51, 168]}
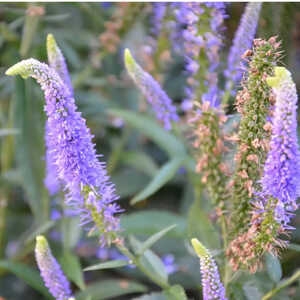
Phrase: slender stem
{"type": "Point", "coordinates": [135, 260]}
{"type": "Point", "coordinates": [283, 284]}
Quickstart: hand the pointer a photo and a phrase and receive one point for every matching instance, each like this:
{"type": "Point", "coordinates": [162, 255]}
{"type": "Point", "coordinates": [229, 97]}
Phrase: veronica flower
{"type": "Point", "coordinates": [242, 41]}
{"type": "Point", "coordinates": [198, 36]}
{"type": "Point", "coordinates": [212, 288]}
{"type": "Point", "coordinates": [51, 272]}
{"type": "Point", "coordinates": [58, 63]}
{"type": "Point", "coordinates": [281, 179]}
{"type": "Point", "coordinates": [90, 191]}
{"type": "Point", "coordinates": [161, 103]}
{"type": "Point", "coordinates": [158, 13]}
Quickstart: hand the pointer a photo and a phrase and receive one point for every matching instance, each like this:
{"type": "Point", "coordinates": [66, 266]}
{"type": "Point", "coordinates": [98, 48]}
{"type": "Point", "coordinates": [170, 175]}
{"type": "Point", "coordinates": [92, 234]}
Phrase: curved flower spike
{"type": "Point", "coordinates": [212, 287]}
{"type": "Point", "coordinates": [242, 41]}
{"type": "Point", "coordinates": [51, 272]}
{"type": "Point", "coordinates": [161, 103]}
{"type": "Point", "coordinates": [57, 62]}
{"type": "Point", "coordinates": [90, 191]}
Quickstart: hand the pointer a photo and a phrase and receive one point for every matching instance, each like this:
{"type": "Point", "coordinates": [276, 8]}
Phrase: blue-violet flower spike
{"type": "Point", "coordinates": [161, 103]}
{"type": "Point", "coordinates": [281, 179]}
{"type": "Point", "coordinates": [212, 288]}
{"type": "Point", "coordinates": [51, 272]}
{"type": "Point", "coordinates": [58, 63]}
{"type": "Point", "coordinates": [242, 41]}
{"type": "Point", "coordinates": [90, 191]}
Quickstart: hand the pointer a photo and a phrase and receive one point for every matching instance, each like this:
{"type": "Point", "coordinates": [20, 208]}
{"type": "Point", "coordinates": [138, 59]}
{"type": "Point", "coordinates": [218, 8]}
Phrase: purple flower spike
{"type": "Point", "coordinates": [212, 288]}
{"type": "Point", "coordinates": [51, 272]}
{"type": "Point", "coordinates": [58, 63]}
{"type": "Point", "coordinates": [90, 191]}
{"type": "Point", "coordinates": [281, 179]}
{"type": "Point", "coordinates": [161, 103]}
{"type": "Point", "coordinates": [158, 13]}
{"type": "Point", "coordinates": [242, 41]}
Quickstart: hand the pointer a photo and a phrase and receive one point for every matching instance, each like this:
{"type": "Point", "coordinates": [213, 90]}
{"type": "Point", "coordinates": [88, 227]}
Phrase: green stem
{"type": "Point", "coordinates": [284, 284]}
{"type": "Point", "coordinates": [135, 260]}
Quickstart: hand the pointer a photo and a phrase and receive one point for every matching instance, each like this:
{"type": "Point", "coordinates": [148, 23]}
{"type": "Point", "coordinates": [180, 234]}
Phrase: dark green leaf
{"type": "Point", "coordinates": [152, 296]}
{"type": "Point", "coordinates": [151, 129]}
{"type": "Point", "coordinates": [150, 261]}
{"type": "Point", "coordinates": [154, 238]}
{"type": "Point", "coordinates": [29, 275]}
{"type": "Point", "coordinates": [162, 176]}
{"type": "Point", "coordinates": [40, 230]}
{"type": "Point", "coordinates": [200, 226]}
{"type": "Point", "coordinates": [140, 161]}
{"type": "Point", "coordinates": [106, 289]}
{"type": "Point", "coordinates": [108, 265]}
{"type": "Point", "coordinates": [72, 268]}
{"type": "Point", "coordinates": [142, 223]}
{"type": "Point", "coordinates": [273, 267]}
{"type": "Point", "coordinates": [176, 292]}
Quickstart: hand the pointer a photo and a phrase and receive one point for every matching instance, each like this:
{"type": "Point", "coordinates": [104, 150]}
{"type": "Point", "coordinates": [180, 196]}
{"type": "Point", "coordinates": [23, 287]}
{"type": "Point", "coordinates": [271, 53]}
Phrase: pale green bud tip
{"type": "Point", "coordinates": [41, 243]}
{"type": "Point", "coordinates": [199, 248]}
{"type": "Point", "coordinates": [281, 73]}
{"type": "Point", "coordinates": [51, 43]}
{"type": "Point", "coordinates": [129, 60]}
{"type": "Point", "coordinates": [22, 68]}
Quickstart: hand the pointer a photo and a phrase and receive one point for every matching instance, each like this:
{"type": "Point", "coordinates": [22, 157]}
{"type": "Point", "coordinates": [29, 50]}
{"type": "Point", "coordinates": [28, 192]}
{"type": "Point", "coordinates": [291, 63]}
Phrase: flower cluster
{"type": "Point", "coordinates": [57, 62]}
{"type": "Point", "coordinates": [90, 192]}
{"type": "Point", "coordinates": [253, 145]}
{"type": "Point", "coordinates": [209, 150]}
{"type": "Point", "coordinates": [51, 272]}
{"type": "Point", "coordinates": [161, 103]}
{"type": "Point", "coordinates": [242, 41]}
{"type": "Point", "coordinates": [198, 35]}
{"type": "Point", "coordinates": [254, 130]}
{"type": "Point", "coordinates": [158, 13]}
{"type": "Point", "coordinates": [212, 288]}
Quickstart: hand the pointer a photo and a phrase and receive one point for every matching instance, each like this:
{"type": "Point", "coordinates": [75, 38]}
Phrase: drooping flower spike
{"type": "Point", "coordinates": [281, 179]}
{"type": "Point", "coordinates": [212, 287]}
{"type": "Point", "coordinates": [242, 41]}
{"type": "Point", "coordinates": [162, 105]}
{"type": "Point", "coordinates": [57, 62]}
{"type": "Point", "coordinates": [51, 272]}
{"type": "Point", "coordinates": [90, 191]}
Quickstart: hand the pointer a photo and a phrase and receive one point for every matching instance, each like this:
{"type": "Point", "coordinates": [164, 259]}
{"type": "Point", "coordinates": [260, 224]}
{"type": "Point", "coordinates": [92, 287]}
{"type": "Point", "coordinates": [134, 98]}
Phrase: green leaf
{"type": "Point", "coordinates": [29, 275]}
{"type": "Point", "coordinates": [176, 292]}
{"type": "Point", "coordinates": [154, 238]}
{"type": "Point", "coordinates": [30, 148]}
{"type": "Point", "coordinates": [40, 230]}
{"type": "Point", "coordinates": [107, 289]}
{"type": "Point", "coordinates": [140, 161]}
{"type": "Point", "coordinates": [71, 232]}
{"type": "Point", "coordinates": [273, 267]}
{"type": "Point", "coordinates": [200, 226]}
{"type": "Point", "coordinates": [152, 296]}
{"type": "Point", "coordinates": [142, 223]}
{"type": "Point", "coordinates": [162, 177]}
{"type": "Point", "coordinates": [72, 268]}
{"type": "Point", "coordinates": [150, 261]}
{"type": "Point", "coordinates": [149, 127]}
{"type": "Point", "coordinates": [108, 265]}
